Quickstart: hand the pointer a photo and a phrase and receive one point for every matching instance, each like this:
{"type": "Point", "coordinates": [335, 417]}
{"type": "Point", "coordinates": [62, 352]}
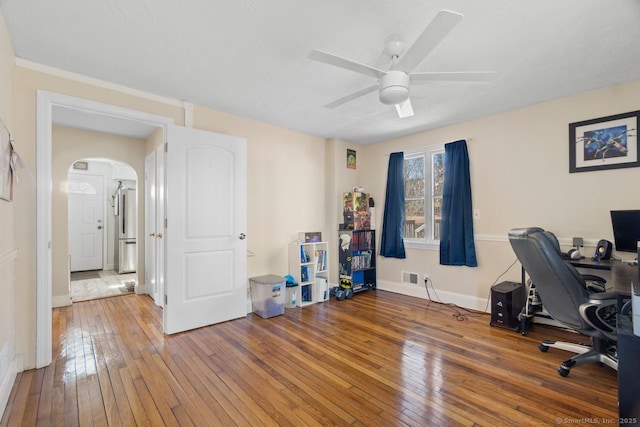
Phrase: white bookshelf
{"type": "Point", "coordinates": [309, 265]}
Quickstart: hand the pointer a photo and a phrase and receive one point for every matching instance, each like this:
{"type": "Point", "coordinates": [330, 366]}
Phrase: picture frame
{"type": "Point", "coordinates": [604, 143]}
{"type": "Point", "coordinates": [6, 174]}
{"type": "Point", "coordinates": [351, 159]}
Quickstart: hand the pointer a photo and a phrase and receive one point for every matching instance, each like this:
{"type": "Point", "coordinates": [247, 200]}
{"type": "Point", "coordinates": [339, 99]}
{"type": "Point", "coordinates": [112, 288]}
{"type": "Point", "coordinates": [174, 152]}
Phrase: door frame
{"type": "Point", "coordinates": [45, 104]}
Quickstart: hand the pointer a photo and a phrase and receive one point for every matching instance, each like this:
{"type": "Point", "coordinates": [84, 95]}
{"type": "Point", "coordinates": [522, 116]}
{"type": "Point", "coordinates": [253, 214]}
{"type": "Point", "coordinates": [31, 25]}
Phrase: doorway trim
{"type": "Point", "coordinates": [45, 104]}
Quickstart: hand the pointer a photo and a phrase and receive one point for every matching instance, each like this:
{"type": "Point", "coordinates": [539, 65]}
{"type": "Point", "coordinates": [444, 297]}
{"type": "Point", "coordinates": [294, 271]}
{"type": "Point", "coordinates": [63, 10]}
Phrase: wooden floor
{"type": "Point", "coordinates": [379, 359]}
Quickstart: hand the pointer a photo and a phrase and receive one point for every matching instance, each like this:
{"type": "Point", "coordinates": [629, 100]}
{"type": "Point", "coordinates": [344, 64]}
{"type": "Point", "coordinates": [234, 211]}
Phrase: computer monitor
{"type": "Point", "coordinates": [626, 229]}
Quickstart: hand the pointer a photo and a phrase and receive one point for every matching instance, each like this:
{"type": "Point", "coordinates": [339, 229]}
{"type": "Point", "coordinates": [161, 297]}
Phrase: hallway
{"type": "Point", "coordinates": [88, 285]}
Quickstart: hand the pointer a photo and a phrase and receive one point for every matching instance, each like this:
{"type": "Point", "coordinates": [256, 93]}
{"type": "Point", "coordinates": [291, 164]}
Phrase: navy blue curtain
{"type": "Point", "coordinates": [392, 243]}
{"type": "Point", "coordinates": [456, 228]}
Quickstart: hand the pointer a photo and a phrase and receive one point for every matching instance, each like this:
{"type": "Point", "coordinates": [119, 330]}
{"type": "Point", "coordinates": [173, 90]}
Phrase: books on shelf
{"type": "Point", "coordinates": [322, 288]}
{"type": "Point", "coordinates": [304, 273]}
{"type": "Point", "coordinates": [361, 240]}
{"type": "Point", "coordinates": [321, 260]}
{"type": "Point", "coordinates": [361, 260]}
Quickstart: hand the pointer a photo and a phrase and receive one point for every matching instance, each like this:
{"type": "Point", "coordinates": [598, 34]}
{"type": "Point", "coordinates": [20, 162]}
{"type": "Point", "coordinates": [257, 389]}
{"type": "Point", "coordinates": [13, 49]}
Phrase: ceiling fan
{"type": "Point", "coordinates": [393, 84]}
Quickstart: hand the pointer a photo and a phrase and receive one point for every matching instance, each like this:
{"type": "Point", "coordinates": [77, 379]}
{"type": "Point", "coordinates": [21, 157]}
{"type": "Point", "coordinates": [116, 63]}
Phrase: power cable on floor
{"type": "Point", "coordinates": [469, 312]}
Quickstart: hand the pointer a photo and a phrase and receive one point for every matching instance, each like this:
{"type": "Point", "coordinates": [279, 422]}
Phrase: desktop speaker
{"type": "Point", "coordinates": [507, 300]}
{"type": "Point", "coordinates": [603, 250]}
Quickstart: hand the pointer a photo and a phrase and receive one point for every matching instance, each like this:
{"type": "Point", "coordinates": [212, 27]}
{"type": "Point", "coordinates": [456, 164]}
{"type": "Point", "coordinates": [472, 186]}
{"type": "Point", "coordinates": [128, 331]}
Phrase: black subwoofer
{"type": "Point", "coordinates": [507, 299]}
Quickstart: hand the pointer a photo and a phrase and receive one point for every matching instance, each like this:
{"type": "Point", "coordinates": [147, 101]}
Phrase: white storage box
{"type": "Point", "coordinates": [267, 295]}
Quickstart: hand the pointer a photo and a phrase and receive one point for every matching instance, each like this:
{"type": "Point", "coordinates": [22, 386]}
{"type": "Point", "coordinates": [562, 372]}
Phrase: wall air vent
{"type": "Point", "coordinates": [410, 278]}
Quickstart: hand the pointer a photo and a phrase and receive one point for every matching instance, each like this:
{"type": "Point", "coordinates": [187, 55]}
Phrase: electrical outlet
{"type": "Point", "coordinates": [425, 277]}
{"type": "Point", "coordinates": [476, 214]}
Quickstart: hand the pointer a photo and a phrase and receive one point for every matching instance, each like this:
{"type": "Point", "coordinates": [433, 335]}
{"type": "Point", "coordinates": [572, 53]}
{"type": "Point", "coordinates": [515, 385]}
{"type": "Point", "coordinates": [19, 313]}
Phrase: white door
{"type": "Point", "coordinates": [86, 226]}
{"type": "Point", "coordinates": [206, 250]}
{"type": "Point", "coordinates": [150, 227]}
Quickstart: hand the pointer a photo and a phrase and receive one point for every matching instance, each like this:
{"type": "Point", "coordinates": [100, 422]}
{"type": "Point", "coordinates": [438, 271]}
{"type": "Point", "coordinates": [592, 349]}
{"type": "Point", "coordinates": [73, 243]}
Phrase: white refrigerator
{"type": "Point", "coordinates": [126, 218]}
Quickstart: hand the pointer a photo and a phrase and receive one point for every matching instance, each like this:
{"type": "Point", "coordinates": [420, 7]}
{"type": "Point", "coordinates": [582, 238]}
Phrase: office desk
{"type": "Point", "coordinates": [622, 275]}
{"type": "Point", "coordinates": [628, 346]}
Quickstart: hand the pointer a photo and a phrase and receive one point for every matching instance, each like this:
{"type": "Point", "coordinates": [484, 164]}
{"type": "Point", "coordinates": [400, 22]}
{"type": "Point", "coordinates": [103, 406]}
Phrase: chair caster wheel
{"type": "Point", "coordinates": [563, 371]}
{"type": "Point", "coordinates": [543, 348]}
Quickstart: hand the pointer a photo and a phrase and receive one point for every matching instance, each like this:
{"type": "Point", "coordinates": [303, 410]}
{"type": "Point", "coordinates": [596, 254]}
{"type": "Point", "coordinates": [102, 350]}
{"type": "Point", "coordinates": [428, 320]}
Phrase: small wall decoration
{"type": "Point", "coordinates": [351, 159]}
{"type": "Point", "coordinates": [81, 165]}
{"type": "Point", "coordinates": [605, 143]}
{"type": "Point", "coordinates": [6, 169]}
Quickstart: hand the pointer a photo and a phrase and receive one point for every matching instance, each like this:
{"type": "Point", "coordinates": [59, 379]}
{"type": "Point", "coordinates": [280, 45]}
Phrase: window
{"type": "Point", "coordinates": [423, 177]}
{"type": "Point", "coordinates": [80, 187]}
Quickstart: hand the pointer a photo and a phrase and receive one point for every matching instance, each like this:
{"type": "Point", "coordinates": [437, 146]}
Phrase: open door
{"type": "Point", "coordinates": [150, 203]}
{"type": "Point", "coordinates": [206, 216]}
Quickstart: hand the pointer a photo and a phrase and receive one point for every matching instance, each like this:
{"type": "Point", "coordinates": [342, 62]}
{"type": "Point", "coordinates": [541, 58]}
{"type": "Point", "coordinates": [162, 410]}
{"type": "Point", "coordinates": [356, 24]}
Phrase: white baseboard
{"type": "Point", "coordinates": [61, 301]}
{"type": "Point", "coordinates": [140, 288]}
{"type": "Point", "coordinates": [6, 384]}
{"type": "Point", "coordinates": [461, 300]}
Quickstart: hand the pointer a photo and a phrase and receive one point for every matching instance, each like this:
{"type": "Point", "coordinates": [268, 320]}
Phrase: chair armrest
{"type": "Point", "coordinates": [601, 312]}
{"type": "Point", "coordinates": [594, 283]}
{"type": "Point", "coordinates": [593, 278]}
{"type": "Point", "coordinates": [603, 298]}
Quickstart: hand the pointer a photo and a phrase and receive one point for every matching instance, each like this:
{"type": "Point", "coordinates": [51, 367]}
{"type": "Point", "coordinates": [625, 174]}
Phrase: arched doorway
{"type": "Point", "coordinates": [102, 224]}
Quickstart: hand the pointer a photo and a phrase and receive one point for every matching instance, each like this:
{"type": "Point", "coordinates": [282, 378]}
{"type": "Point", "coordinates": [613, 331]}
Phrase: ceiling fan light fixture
{"type": "Point", "coordinates": [394, 87]}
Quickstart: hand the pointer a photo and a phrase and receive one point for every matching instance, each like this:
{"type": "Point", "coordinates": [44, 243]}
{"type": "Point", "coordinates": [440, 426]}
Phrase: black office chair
{"type": "Point", "coordinates": [567, 299]}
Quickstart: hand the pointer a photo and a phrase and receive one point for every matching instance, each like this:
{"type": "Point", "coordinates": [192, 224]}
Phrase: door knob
{"type": "Point", "coordinates": [242, 236]}
{"type": "Point", "coordinates": [159, 235]}
{"type": "Point", "coordinates": [152, 235]}
{"type": "Point", "coordinates": [99, 227]}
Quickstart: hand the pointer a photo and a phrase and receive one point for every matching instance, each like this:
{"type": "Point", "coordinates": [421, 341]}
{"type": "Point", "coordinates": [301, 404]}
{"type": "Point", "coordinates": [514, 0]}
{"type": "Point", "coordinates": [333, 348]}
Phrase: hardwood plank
{"type": "Point", "coordinates": [377, 359]}
{"type": "Point", "coordinates": [139, 413]}
{"type": "Point", "coordinates": [15, 411]}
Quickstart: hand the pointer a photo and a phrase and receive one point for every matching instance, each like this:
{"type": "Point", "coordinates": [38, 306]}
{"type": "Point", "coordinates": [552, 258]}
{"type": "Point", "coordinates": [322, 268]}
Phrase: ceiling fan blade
{"type": "Point", "coordinates": [347, 64]}
{"type": "Point", "coordinates": [454, 76]}
{"type": "Point", "coordinates": [352, 96]}
{"type": "Point", "coordinates": [404, 109]}
{"type": "Point", "coordinates": [441, 25]}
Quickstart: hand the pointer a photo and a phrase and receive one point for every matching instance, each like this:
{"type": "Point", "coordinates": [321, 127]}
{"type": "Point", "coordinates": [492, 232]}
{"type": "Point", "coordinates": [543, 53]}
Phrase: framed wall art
{"type": "Point", "coordinates": [605, 143]}
{"type": "Point", "coordinates": [351, 158]}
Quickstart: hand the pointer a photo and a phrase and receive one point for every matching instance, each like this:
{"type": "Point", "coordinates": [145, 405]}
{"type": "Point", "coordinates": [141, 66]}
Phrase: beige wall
{"type": "Point", "coordinates": [70, 145]}
{"type": "Point", "coordinates": [520, 177]}
{"type": "Point", "coordinates": [340, 179]}
{"type": "Point", "coordinates": [8, 244]}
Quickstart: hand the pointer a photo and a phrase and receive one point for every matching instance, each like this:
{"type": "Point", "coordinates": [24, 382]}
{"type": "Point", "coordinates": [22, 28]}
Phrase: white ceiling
{"type": "Point", "coordinates": [249, 57]}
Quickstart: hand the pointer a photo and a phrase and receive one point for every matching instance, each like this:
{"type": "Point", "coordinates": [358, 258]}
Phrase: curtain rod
{"type": "Point", "coordinates": [465, 139]}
